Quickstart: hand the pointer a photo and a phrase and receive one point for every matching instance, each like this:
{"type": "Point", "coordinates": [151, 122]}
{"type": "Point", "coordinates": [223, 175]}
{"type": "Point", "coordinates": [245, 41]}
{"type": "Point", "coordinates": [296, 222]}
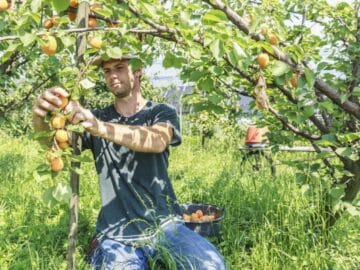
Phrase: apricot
{"type": "Point", "coordinates": [273, 39]}
{"type": "Point", "coordinates": [92, 22]}
{"type": "Point", "coordinates": [64, 101]}
{"type": "Point", "coordinates": [48, 24]}
{"type": "Point", "coordinates": [57, 164]}
{"type": "Point", "coordinates": [194, 217]}
{"type": "Point", "coordinates": [73, 3]}
{"type": "Point", "coordinates": [263, 60]}
{"type": "Point", "coordinates": [72, 16]}
{"type": "Point", "coordinates": [94, 42]}
{"type": "Point", "coordinates": [58, 121]}
{"type": "Point", "coordinates": [186, 217]}
{"type": "Point", "coordinates": [199, 213]}
{"type": "Point", "coordinates": [294, 80]}
{"type": "Point", "coordinates": [50, 45]}
{"type": "Point", "coordinates": [4, 5]}
{"type": "Point", "coordinates": [61, 136]}
{"type": "Point", "coordinates": [63, 145]}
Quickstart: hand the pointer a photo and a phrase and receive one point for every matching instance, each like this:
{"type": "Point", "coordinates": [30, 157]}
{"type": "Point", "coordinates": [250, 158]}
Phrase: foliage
{"type": "Point", "coordinates": [262, 214]}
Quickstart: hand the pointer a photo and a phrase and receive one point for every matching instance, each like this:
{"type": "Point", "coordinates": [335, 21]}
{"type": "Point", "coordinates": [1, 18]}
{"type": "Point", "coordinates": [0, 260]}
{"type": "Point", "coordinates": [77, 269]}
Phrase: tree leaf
{"type": "Point", "coordinates": [62, 193]}
{"type": "Point", "coordinates": [86, 84]}
{"type": "Point", "coordinates": [279, 68]}
{"type": "Point", "coordinates": [35, 5]}
{"type": "Point", "coordinates": [217, 49]}
{"type": "Point", "coordinates": [344, 151]}
{"type": "Point", "coordinates": [310, 77]}
{"type": "Point", "coordinates": [214, 16]}
{"type": "Point", "coordinates": [60, 5]}
{"type": "Point", "coordinates": [114, 52]}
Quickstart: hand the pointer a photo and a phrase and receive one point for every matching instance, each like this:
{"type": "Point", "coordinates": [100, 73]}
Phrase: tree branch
{"type": "Point", "coordinates": [350, 107]}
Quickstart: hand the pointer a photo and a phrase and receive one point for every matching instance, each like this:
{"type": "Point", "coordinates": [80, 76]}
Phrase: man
{"type": "Point", "coordinates": [130, 143]}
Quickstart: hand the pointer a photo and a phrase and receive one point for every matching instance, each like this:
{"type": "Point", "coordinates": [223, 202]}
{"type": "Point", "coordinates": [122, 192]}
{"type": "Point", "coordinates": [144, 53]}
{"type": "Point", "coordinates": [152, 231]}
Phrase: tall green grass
{"type": "Point", "coordinates": [266, 224]}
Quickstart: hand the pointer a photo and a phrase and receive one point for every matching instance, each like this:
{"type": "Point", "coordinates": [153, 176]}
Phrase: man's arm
{"type": "Point", "coordinates": [153, 139]}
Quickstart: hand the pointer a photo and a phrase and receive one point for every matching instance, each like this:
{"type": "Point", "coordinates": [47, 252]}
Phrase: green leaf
{"type": "Point", "coordinates": [135, 64]}
{"type": "Point", "coordinates": [86, 84]}
{"type": "Point", "coordinates": [62, 193]}
{"type": "Point", "coordinates": [279, 68]}
{"type": "Point", "coordinates": [114, 52]}
{"type": "Point", "coordinates": [48, 198]}
{"type": "Point", "coordinates": [206, 84]}
{"type": "Point", "coordinates": [171, 60]}
{"type": "Point", "coordinates": [217, 49]}
{"type": "Point", "coordinates": [356, 91]}
{"type": "Point", "coordinates": [60, 5]}
{"type": "Point", "coordinates": [344, 151]}
{"type": "Point", "coordinates": [35, 5]}
{"type": "Point", "coordinates": [104, 12]}
{"type": "Point", "coordinates": [310, 77]}
{"type": "Point", "coordinates": [27, 39]}
{"type": "Point", "coordinates": [214, 16]}
{"type": "Point", "coordinates": [337, 192]}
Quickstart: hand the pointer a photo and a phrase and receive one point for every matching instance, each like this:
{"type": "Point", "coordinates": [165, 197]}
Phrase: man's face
{"type": "Point", "coordinates": [119, 77]}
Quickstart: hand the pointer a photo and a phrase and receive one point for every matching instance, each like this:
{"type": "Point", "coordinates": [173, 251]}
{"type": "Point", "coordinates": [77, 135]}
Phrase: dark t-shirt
{"type": "Point", "coordinates": [136, 193]}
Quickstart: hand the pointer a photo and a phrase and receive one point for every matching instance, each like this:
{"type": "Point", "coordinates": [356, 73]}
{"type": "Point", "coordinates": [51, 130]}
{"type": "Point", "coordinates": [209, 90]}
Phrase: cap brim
{"type": "Point", "coordinates": [99, 61]}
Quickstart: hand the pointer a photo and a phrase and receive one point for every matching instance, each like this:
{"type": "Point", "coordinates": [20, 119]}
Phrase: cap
{"type": "Point", "coordinates": [99, 60]}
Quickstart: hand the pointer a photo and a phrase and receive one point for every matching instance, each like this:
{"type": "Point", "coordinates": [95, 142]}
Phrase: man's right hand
{"type": "Point", "coordinates": [49, 101]}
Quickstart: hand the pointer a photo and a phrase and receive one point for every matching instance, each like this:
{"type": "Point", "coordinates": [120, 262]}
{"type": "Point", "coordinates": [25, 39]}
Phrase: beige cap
{"type": "Point", "coordinates": [99, 60]}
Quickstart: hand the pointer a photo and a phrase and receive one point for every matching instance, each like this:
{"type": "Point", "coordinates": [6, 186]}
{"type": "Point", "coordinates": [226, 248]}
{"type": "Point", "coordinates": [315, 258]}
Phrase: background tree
{"type": "Point", "coordinates": [305, 80]}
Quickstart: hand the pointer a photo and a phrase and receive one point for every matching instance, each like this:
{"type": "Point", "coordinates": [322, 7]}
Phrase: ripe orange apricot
{"type": "Point", "coordinates": [58, 121]}
{"type": "Point", "coordinates": [199, 213]}
{"type": "Point", "coordinates": [294, 80]}
{"type": "Point", "coordinates": [73, 3]}
{"type": "Point", "coordinates": [72, 16]}
{"type": "Point", "coordinates": [94, 42]}
{"type": "Point", "coordinates": [64, 101]}
{"type": "Point", "coordinates": [263, 60]}
{"type": "Point", "coordinates": [194, 217]}
{"type": "Point", "coordinates": [48, 24]}
{"type": "Point", "coordinates": [273, 39]}
{"type": "Point", "coordinates": [63, 145]}
{"type": "Point", "coordinates": [61, 136]}
{"type": "Point", "coordinates": [50, 45]}
{"type": "Point", "coordinates": [92, 22]}
{"type": "Point", "coordinates": [4, 5]}
{"type": "Point", "coordinates": [57, 164]}
{"type": "Point", "coordinates": [186, 217]}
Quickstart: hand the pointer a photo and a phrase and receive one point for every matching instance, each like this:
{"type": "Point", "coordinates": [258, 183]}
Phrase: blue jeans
{"type": "Point", "coordinates": [187, 249]}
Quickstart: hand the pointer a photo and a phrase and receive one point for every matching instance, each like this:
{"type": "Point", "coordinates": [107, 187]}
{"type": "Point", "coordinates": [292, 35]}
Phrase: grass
{"type": "Point", "coordinates": [266, 223]}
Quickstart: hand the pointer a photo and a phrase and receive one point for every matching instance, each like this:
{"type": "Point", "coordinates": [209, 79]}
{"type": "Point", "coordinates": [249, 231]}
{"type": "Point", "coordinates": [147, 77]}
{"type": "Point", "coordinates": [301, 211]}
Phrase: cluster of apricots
{"type": "Point", "coordinates": [61, 137]}
{"type": "Point", "coordinates": [199, 216]}
{"type": "Point", "coordinates": [263, 59]}
{"type": "Point", "coordinates": [49, 44]}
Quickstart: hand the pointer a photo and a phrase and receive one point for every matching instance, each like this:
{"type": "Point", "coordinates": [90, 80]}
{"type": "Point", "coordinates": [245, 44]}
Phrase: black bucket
{"type": "Point", "coordinates": [204, 228]}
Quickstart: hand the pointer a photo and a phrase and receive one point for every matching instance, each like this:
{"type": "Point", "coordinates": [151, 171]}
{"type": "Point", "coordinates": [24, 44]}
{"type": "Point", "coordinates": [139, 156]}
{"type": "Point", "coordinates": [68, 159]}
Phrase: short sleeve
{"type": "Point", "coordinates": [164, 113]}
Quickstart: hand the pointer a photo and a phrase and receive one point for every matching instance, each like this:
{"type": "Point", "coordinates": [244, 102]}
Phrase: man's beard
{"type": "Point", "coordinates": [124, 91]}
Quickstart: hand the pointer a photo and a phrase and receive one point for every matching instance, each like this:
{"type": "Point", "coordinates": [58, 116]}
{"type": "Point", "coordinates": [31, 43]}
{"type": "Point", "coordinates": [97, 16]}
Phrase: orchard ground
{"type": "Point", "coordinates": [267, 223]}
